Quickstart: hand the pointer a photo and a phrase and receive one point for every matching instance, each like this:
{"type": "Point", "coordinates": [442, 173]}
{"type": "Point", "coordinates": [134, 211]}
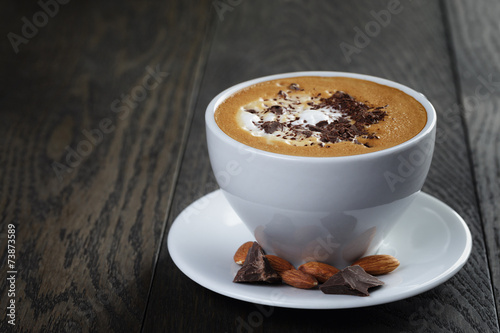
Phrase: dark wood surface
{"type": "Point", "coordinates": [91, 211]}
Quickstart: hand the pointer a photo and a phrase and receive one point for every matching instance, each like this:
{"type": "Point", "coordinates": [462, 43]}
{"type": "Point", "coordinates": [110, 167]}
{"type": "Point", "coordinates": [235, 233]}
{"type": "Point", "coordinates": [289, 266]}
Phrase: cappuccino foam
{"type": "Point", "coordinates": [320, 116]}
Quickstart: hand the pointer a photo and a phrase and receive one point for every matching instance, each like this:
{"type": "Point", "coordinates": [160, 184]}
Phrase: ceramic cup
{"type": "Point", "coordinates": [328, 209]}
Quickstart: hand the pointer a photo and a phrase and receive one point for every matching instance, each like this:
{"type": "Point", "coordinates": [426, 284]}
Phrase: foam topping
{"type": "Point", "coordinates": [301, 120]}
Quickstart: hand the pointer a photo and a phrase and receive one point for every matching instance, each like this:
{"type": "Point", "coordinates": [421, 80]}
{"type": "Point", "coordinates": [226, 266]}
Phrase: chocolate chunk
{"type": "Point", "coordinates": [251, 111]}
{"type": "Point", "coordinates": [271, 126]}
{"type": "Point", "coordinates": [294, 86]}
{"type": "Point", "coordinates": [257, 268]}
{"type": "Point", "coordinates": [276, 109]}
{"type": "Point", "coordinates": [352, 280]}
{"type": "Point", "coordinates": [314, 128]}
{"type": "Point", "coordinates": [322, 123]}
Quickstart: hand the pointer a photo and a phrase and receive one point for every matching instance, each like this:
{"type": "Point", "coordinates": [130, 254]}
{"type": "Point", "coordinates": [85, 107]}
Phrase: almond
{"type": "Point", "coordinates": [319, 270]}
{"type": "Point", "coordinates": [241, 253]}
{"type": "Point", "coordinates": [299, 279]}
{"type": "Point", "coordinates": [378, 264]}
{"type": "Point", "coordinates": [279, 264]}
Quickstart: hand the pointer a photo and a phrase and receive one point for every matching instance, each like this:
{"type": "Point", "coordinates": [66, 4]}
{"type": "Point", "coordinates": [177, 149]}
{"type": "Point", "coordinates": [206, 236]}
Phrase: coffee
{"type": "Point", "coordinates": [320, 116]}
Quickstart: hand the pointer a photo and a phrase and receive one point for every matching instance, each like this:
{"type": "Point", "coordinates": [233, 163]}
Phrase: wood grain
{"type": "Point", "coordinates": [297, 35]}
{"type": "Point", "coordinates": [91, 210]}
{"type": "Point", "coordinates": [473, 30]}
{"type": "Point", "coordinates": [89, 229]}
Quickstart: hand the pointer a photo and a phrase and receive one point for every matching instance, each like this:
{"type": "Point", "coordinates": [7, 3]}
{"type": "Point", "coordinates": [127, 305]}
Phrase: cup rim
{"type": "Point", "coordinates": [428, 128]}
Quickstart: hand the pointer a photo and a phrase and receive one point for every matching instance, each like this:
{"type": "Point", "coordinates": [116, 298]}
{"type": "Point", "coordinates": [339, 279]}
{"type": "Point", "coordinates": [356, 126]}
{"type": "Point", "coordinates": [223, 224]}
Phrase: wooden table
{"type": "Point", "coordinates": [103, 145]}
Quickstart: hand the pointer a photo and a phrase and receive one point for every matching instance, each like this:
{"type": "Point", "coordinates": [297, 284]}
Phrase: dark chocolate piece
{"type": "Point", "coordinates": [257, 268]}
{"type": "Point", "coordinates": [271, 126]}
{"type": "Point", "coordinates": [352, 280]}
{"type": "Point", "coordinates": [276, 109]}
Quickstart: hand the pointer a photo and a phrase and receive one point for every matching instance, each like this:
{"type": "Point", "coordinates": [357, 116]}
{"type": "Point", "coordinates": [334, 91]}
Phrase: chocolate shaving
{"type": "Point", "coordinates": [256, 268]}
{"type": "Point", "coordinates": [307, 134]}
{"type": "Point", "coordinates": [354, 121]}
{"type": "Point", "coordinates": [352, 280]}
{"type": "Point", "coordinates": [282, 94]}
{"type": "Point", "coordinates": [356, 116]}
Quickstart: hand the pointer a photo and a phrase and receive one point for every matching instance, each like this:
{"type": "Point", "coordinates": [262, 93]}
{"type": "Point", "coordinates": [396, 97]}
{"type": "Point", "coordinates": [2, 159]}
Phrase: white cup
{"type": "Point", "coordinates": [328, 209]}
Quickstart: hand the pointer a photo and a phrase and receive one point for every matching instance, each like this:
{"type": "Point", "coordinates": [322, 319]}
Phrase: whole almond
{"type": "Point", "coordinates": [279, 264]}
{"type": "Point", "coordinates": [298, 279]}
{"type": "Point", "coordinates": [378, 264]}
{"type": "Point", "coordinates": [319, 270]}
{"type": "Point", "coordinates": [241, 254]}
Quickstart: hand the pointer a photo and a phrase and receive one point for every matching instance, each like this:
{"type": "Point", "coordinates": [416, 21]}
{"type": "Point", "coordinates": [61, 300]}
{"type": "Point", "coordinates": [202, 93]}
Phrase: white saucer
{"type": "Point", "coordinates": [431, 241]}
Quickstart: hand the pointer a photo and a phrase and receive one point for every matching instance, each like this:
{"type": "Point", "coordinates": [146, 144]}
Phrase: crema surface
{"type": "Point", "coordinates": [320, 116]}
